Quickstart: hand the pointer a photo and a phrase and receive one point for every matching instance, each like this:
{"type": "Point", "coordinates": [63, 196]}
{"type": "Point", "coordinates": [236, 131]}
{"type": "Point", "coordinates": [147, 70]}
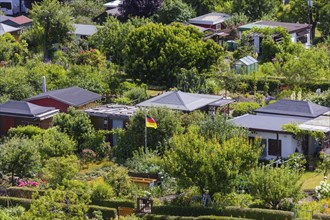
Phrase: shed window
{"type": "Point", "coordinates": [274, 147]}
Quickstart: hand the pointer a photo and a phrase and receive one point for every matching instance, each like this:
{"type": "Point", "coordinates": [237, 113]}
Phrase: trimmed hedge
{"type": "Point", "coordinates": [12, 201]}
{"type": "Point", "coordinates": [184, 211]}
{"type": "Point", "coordinates": [114, 203]}
{"type": "Point", "coordinates": [209, 217]}
{"type": "Point", "coordinates": [321, 216]}
{"type": "Point", "coordinates": [21, 192]}
{"type": "Point", "coordinates": [107, 213]}
{"type": "Point", "coordinates": [258, 214]}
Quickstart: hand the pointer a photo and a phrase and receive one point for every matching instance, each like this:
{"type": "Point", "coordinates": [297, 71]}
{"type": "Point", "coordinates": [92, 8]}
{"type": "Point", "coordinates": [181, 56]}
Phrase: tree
{"type": "Point", "coordinates": [255, 9]}
{"type": "Point", "coordinates": [242, 108]}
{"type": "Point", "coordinates": [141, 8]}
{"type": "Point", "coordinates": [175, 10]}
{"type": "Point", "coordinates": [27, 131]}
{"type": "Point", "coordinates": [155, 53]}
{"type": "Point", "coordinates": [325, 20]}
{"type": "Point", "coordinates": [195, 159]}
{"type": "Point", "coordinates": [205, 6]}
{"type": "Point", "coordinates": [59, 169]}
{"type": "Point", "coordinates": [19, 156]}
{"type": "Point", "coordinates": [86, 10]}
{"type": "Point", "coordinates": [52, 21]}
{"type": "Point", "coordinates": [12, 51]}
{"type": "Point", "coordinates": [273, 185]}
{"type": "Point", "coordinates": [133, 137]}
{"type": "Point", "coordinates": [117, 177]}
{"type": "Point", "coordinates": [53, 143]}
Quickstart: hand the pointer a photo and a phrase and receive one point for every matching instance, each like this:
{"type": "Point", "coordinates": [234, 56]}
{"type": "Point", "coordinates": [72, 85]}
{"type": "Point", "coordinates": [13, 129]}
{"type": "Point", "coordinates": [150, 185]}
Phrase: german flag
{"type": "Point", "coordinates": [150, 122]}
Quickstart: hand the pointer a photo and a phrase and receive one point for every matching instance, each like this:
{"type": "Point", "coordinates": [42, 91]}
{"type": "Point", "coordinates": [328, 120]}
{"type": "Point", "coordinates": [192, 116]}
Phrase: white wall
{"type": "Point", "coordinates": [289, 144]}
{"type": "Point", "coordinates": [294, 37]}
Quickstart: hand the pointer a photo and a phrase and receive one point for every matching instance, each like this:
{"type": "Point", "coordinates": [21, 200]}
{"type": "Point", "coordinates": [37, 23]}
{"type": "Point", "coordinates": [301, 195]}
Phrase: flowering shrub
{"type": "Point", "coordinates": [91, 57]}
{"type": "Point", "coordinates": [21, 183]}
{"type": "Point", "coordinates": [87, 155]}
{"type": "Point", "coordinates": [323, 190]}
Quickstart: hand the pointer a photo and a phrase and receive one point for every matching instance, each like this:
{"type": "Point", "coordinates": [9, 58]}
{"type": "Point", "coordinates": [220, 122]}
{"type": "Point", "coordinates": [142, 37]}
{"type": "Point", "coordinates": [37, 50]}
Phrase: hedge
{"type": "Point", "coordinates": [107, 213]}
{"type": "Point", "coordinates": [20, 192]}
{"type": "Point", "coordinates": [114, 203]}
{"type": "Point", "coordinates": [321, 216]}
{"type": "Point", "coordinates": [12, 201]}
{"type": "Point", "coordinates": [209, 217]}
{"type": "Point", "coordinates": [258, 214]}
{"type": "Point", "coordinates": [184, 211]}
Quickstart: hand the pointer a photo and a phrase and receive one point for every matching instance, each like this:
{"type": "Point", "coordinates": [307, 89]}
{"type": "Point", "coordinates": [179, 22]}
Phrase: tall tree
{"type": "Point", "coordinates": [52, 21]}
{"type": "Point", "coordinates": [175, 10]}
{"type": "Point", "coordinates": [155, 53]}
{"type": "Point", "coordinates": [141, 8]}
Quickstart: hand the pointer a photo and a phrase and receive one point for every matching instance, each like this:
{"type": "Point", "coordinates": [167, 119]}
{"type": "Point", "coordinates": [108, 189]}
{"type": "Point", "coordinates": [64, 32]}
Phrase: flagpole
{"type": "Point", "coordinates": [145, 134]}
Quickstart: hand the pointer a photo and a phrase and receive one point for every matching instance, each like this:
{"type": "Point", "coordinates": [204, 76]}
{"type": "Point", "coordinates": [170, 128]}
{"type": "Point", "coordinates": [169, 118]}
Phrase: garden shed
{"type": "Point", "coordinates": [246, 65]}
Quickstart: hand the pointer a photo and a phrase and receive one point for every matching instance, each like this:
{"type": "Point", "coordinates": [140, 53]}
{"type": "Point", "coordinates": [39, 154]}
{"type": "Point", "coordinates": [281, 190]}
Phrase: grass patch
{"type": "Point", "coordinates": [93, 166]}
{"type": "Point", "coordinates": [311, 180]}
{"type": "Point", "coordinates": [154, 92]}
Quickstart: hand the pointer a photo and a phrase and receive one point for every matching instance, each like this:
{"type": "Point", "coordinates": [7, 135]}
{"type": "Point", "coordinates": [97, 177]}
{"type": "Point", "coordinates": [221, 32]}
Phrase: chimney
{"type": "Point", "coordinates": [43, 82]}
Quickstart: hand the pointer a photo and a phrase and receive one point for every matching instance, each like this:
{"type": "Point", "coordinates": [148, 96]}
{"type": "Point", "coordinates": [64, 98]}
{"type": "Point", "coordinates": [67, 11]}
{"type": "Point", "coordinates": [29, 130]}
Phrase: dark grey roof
{"type": "Point", "coordinates": [4, 18]}
{"type": "Point", "coordinates": [294, 108]}
{"type": "Point", "coordinates": [112, 111]}
{"type": "Point", "coordinates": [265, 122]}
{"type": "Point", "coordinates": [181, 101]}
{"type": "Point", "coordinates": [84, 29]}
{"type": "Point", "coordinates": [25, 109]}
{"type": "Point", "coordinates": [73, 96]}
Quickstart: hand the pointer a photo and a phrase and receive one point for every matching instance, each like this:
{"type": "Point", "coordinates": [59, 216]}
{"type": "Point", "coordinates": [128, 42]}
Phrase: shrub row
{"type": "Point", "coordinates": [258, 214]}
{"type": "Point", "coordinates": [321, 216]}
{"type": "Point", "coordinates": [167, 217]}
{"type": "Point", "coordinates": [21, 192]}
{"type": "Point", "coordinates": [107, 213]}
{"type": "Point", "coordinates": [6, 201]}
{"type": "Point", "coordinates": [184, 211]}
{"type": "Point", "coordinates": [114, 203]}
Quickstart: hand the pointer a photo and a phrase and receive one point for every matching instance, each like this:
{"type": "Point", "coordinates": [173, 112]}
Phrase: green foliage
{"type": "Point", "coordinates": [206, 217]}
{"type": "Point", "coordinates": [19, 156]}
{"type": "Point", "coordinates": [22, 192]}
{"type": "Point", "coordinates": [325, 20]}
{"type": "Point", "coordinates": [102, 191]}
{"type": "Point", "coordinates": [117, 177]}
{"type": "Point", "coordinates": [296, 161]}
{"type": "Point", "coordinates": [192, 81]}
{"type": "Point", "coordinates": [107, 213]}
{"type": "Point", "coordinates": [115, 203]}
{"type": "Point", "coordinates": [13, 213]}
{"type": "Point", "coordinates": [233, 199]}
{"type": "Point", "coordinates": [87, 9]}
{"type": "Point", "coordinates": [204, 160]}
{"type": "Point", "coordinates": [12, 201]}
{"type": "Point", "coordinates": [155, 53]}
{"type": "Point", "coordinates": [58, 204]}
{"type": "Point", "coordinates": [144, 162]}
{"type": "Point", "coordinates": [12, 51]}
{"type": "Point", "coordinates": [139, 8]}
{"type": "Point", "coordinates": [132, 138]}
{"type": "Point", "coordinates": [258, 214]}
{"type": "Point", "coordinates": [27, 131]}
{"type": "Point", "coordinates": [243, 50]}
{"type": "Point", "coordinates": [59, 169]}
{"type": "Point", "coordinates": [53, 143]}
{"type": "Point", "coordinates": [273, 185]}
{"type": "Point", "coordinates": [242, 108]}
{"type": "Point", "coordinates": [185, 211]}
{"type": "Point", "coordinates": [322, 99]}
{"type": "Point", "coordinates": [91, 57]}
{"type": "Point", "coordinates": [51, 23]}
{"type": "Point", "coordinates": [175, 11]}
{"type": "Point", "coordinates": [300, 133]}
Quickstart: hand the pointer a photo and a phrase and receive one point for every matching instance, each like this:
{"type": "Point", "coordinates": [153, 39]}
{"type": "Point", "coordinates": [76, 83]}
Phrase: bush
{"type": "Point", "coordinates": [28, 131]}
{"type": "Point", "coordinates": [242, 108]}
{"type": "Point", "coordinates": [166, 217]}
{"type": "Point", "coordinates": [233, 199]}
{"type": "Point", "coordinates": [184, 211]}
{"type": "Point", "coordinates": [102, 191]}
{"type": "Point", "coordinates": [11, 201]}
{"type": "Point", "coordinates": [321, 216]}
{"type": "Point", "coordinates": [25, 193]}
{"type": "Point", "coordinates": [114, 203]}
{"type": "Point", "coordinates": [258, 214]}
{"type": "Point", "coordinates": [107, 213]}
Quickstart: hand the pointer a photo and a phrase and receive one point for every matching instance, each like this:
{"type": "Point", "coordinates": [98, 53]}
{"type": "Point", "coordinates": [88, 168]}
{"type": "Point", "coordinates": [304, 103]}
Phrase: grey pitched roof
{"type": "Point", "coordinates": [180, 101]}
{"type": "Point", "coordinates": [265, 122]}
{"type": "Point", "coordinates": [4, 18]}
{"type": "Point", "coordinates": [7, 29]}
{"type": "Point", "coordinates": [84, 29]}
{"type": "Point", "coordinates": [294, 108]}
{"type": "Point", "coordinates": [25, 109]}
{"type": "Point", "coordinates": [73, 96]}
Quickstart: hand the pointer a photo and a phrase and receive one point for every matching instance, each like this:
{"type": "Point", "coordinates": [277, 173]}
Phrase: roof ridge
{"type": "Point", "coordinates": [177, 94]}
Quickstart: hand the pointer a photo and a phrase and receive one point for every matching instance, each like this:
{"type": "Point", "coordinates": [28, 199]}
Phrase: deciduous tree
{"type": "Point", "coordinates": [175, 10]}
{"type": "Point", "coordinates": [141, 8]}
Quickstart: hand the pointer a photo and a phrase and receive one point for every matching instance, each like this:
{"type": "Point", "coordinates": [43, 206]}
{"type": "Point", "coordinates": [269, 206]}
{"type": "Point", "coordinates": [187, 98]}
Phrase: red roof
{"type": "Point", "coordinates": [21, 20]}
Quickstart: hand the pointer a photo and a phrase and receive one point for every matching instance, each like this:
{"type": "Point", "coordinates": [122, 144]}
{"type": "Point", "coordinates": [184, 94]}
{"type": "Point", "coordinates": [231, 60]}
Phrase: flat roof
{"type": "Point", "coordinates": [113, 111]}
{"type": "Point", "coordinates": [264, 122]}
{"type": "Point", "coordinates": [321, 123]}
{"type": "Point", "coordinates": [210, 19]}
{"type": "Point", "coordinates": [290, 27]}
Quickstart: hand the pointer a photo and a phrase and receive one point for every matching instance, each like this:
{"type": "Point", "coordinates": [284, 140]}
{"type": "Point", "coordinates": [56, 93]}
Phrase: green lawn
{"type": "Point", "coordinates": [311, 180]}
